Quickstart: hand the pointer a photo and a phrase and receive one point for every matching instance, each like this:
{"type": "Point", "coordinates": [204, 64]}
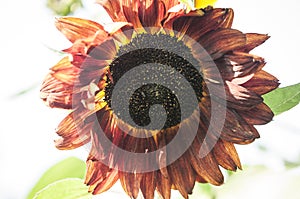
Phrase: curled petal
{"type": "Point", "coordinates": [237, 67]}
{"type": "Point", "coordinates": [56, 94]}
{"type": "Point", "coordinates": [111, 178]}
{"type": "Point", "coordinates": [77, 139]}
{"type": "Point", "coordinates": [206, 167]}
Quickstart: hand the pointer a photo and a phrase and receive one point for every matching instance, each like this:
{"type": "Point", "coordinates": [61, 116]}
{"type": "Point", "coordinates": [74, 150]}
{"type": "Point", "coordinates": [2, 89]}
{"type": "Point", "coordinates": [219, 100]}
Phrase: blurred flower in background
{"type": "Point", "coordinates": [64, 7]}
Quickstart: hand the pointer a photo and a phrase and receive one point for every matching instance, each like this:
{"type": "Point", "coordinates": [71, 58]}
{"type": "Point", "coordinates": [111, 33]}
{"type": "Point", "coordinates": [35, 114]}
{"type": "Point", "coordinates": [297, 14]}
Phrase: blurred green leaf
{"type": "Point", "coordinates": [261, 182]}
{"type": "Point", "coordinates": [283, 99]}
{"type": "Point", "coordinates": [69, 168]}
{"type": "Point", "coordinates": [72, 188]}
{"type": "Point", "coordinates": [24, 91]}
{"type": "Point", "coordinates": [206, 191]}
{"type": "Point", "coordinates": [64, 7]}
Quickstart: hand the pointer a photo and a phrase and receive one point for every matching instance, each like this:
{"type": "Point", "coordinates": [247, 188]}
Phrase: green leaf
{"type": "Point", "coordinates": [283, 99]}
{"type": "Point", "coordinates": [69, 168]}
{"type": "Point", "coordinates": [72, 188]}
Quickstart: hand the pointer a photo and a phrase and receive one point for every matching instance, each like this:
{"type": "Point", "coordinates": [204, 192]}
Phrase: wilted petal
{"type": "Point", "coordinates": [56, 94]}
{"type": "Point", "coordinates": [104, 185]}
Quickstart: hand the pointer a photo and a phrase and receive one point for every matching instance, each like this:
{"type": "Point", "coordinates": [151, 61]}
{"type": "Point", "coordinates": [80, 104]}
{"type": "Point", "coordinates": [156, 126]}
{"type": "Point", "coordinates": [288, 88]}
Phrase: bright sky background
{"type": "Point", "coordinates": [27, 125]}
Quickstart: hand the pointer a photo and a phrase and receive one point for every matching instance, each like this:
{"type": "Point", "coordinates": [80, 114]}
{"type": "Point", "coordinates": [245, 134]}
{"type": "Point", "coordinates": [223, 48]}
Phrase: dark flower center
{"type": "Point", "coordinates": [164, 55]}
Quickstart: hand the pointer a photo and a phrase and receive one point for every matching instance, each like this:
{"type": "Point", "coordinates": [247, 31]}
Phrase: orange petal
{"type": "Point", "coordinates": [163, 186]}
{"type": "Point", "coordinates": [130, 10]}
{"type": "Point", "coordinates": [113, 8]}
{"type": "Point", "coordinates": [78, 139]}
{"type": "Point", "coordinates": [111, 178]}
{"type": "Point", "coordinates": [96, 172]}
{"type": "Point", "coordinates": [253, 40]}
{"type": "Point", "coordinates": [65, 71]}
{"type": "Point", "coordinates": [226, 155]}
{"type": "Point", "coordinates": [56, 94]}
{"type": "Point", "coordinates": [131, 183]}
{"type": "Point", "coordinates": [148, 184]}
{"type": "Point", "coordinates": [79, 29]}
{"type": "Point", "coordinates": [182, 176]}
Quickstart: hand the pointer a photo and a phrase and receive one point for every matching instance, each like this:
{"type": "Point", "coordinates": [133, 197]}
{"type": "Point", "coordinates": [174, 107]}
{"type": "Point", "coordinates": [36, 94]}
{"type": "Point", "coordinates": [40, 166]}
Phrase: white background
{"type": "Point", "coordinates": [27, 125]}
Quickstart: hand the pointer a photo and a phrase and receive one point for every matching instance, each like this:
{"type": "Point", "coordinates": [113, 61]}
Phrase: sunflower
{"type": "Point", "coordinates": [159, 95]}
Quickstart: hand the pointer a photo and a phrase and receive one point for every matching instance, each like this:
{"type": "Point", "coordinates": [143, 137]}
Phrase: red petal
{"type": "Point", "coordinates": [235, 129]}
{"type": "Point", "coordinates": [195, 24]}
{"type": "Point", "coordinates": [163, 186]}
{"type": "Point", "coordinates": [262, 83]}
{"type": "Point", "coordinates": [148, 184]}
{"type": "Point", "coordinates": [182, 176]}
{"type": "Point", "coordinates": [221, 41]}
{"type": "Point", "coordinates": [237, 97]}
{"type": "Point", "coordinates": [131, 183]}
{"type": "Point", "coordinates": [226, 155]}
{"type": "Point", "coordinates": [111, 178]}
{"type": "Point", "coordinates": [151, 13]}
{"type": "Point", "coordinates": [261, 114]}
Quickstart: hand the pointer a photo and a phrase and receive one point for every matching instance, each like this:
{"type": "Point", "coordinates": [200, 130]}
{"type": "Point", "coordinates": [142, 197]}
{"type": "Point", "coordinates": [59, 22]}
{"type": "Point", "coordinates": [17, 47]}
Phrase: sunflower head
{"type": "Point", "coordinates": [160, 94]}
